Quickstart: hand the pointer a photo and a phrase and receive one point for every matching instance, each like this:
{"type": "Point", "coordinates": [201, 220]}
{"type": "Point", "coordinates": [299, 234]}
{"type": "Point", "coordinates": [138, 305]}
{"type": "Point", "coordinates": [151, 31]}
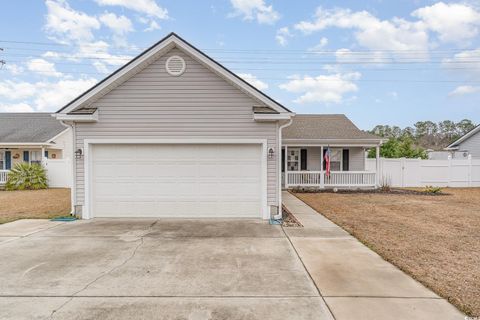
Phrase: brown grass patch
{"type": "Point", "coordinates": [434, 239]}
{"type": "Point", "coordinates": [34, 204]}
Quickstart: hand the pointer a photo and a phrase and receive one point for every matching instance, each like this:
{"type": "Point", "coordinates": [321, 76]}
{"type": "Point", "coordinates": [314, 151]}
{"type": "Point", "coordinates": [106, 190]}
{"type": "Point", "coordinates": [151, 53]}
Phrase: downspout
{"type": "Point", "coordinates": [73, 193]}
{"type": "Point", "coordinates": [279, 166]}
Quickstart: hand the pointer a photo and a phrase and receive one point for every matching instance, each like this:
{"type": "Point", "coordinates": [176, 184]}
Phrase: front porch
{"type": "Point", "coordinates": [304, 166]}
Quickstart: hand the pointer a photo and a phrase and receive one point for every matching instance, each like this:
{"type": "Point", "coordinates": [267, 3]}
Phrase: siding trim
{"type": "Point", "coordinates": [87, 210]}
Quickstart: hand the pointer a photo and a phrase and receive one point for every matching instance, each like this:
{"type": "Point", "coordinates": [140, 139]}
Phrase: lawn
{"type": "Point", "coordinates": [435, 239]}
{"type": "Point", "coordinates": [34, 204]}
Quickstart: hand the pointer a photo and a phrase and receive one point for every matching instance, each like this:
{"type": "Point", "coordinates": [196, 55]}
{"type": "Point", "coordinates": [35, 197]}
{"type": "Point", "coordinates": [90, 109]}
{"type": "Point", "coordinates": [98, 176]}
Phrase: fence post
{"type": "Point", "coordinates": [449, 182]}
{"type": "Point", "coordinates": [469, 170]}
{"type": "Point", "coordinates": [402, 171]}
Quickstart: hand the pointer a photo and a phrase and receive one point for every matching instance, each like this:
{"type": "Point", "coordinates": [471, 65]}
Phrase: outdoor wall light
{"type": "Point", "coordinates": [78, 154]}
{"type": "Point", "coordinates": [271, 153]}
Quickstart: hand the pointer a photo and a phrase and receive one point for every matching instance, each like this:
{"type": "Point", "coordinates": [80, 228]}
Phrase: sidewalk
{"type": "Point", "coordinates": [354, 281]}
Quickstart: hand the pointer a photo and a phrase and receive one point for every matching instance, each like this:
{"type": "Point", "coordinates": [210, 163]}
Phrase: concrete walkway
{"type": "Point", "coordinates": [355, 282]}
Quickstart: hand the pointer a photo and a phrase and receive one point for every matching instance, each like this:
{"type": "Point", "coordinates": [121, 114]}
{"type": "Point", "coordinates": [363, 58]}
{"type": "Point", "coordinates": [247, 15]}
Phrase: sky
{"type": "Point", "coordinates": [377, 61]}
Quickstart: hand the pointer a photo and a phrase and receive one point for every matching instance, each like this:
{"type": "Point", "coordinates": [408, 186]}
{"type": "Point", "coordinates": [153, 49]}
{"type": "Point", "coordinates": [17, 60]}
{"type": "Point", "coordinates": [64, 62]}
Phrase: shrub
{"type": "Point", "coordinates": [26, 176]}
{"type": "Point", "coordinates": [433, 190]}
{"type": "Point", "coordinates": [385, 184]}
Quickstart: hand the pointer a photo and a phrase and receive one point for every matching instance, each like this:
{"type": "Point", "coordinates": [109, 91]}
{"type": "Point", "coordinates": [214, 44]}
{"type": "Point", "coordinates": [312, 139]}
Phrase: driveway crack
{"type": "Point", "coordinates": [130, 257]}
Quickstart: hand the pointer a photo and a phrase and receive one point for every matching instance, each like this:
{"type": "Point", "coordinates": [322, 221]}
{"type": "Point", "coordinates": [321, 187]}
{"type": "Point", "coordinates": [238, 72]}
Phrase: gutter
{"type": "Point", "coordinates": [279, 165]}
{"type": "Point", "coordinates": [73, 193]}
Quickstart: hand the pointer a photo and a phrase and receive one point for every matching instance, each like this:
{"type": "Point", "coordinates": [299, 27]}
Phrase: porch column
{"type": "Point", "coordinates": [322, 175]}
{"type": "Point", "coordinates": [377, 167]}
{"type": "Point", "coordinates": [42, 157]}
{"type": "Point", "coordinates": [285, 167]}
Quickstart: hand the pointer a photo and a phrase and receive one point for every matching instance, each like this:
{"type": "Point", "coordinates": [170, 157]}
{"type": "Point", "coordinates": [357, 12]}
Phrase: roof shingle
{"type": "Point", "coordinates": [324, 126]}
{"type": "Point", "coordinates": [28, 127]}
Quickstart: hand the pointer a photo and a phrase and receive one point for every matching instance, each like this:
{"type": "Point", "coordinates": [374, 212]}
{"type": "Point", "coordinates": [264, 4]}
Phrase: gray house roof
{"type": "Point", "coordinates": [466, 136]}
{"type": "Point", "coordinates": [32, 127]}
{"type": "Point", "coordinates": [325, 126]}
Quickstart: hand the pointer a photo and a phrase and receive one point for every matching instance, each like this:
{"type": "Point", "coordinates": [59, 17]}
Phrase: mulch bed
{"type": "Point", "coordinates": [394, 191]}
{"type": "Point", "coordinates": [289, 219]}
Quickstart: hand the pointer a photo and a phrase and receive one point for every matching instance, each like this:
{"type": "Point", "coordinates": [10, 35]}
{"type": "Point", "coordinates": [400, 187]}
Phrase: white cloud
{"type": "Point", "coordinates": [43, 95]}
{"type": "Point", "coordinates": [65, 24]}
{"type": "Point", "coordinates": [148, 7]}
{"type": "Point", "coordinates": [14, 69]}
{"type": "Point", "coordinates": [250, 78]}
{"type": "Point", "coordinates": [348, 56]}
{"type": "Point", "coordinates": [152, 25]}
{"type": "Point", "coordinates": [393, 94]}
{"type": "Point", "coordinates": [120, 25]}
{"type": "Point", "coordinates": [255, 10]}
{"type": "Point", "coordinates": [463, 90]}
{"type": "Point", "coordinates": [16, 90]}
{"type": "Point", "coordinates": [453, 22]}
{"type": "Point", "coordinates": [323, 88]}
{"type": "Point", "coordinates": [370, 32]}
{"type": "Point", "coordinates": [282, 36]}
{"type": "Point", "coordinates": [16, 107]}
{"type": "Point", "coordinates": [43, 67]}
{"type": "Point", "coordinates": [468, 60]}
{"type": "Point", "coordinates": [321, 45]}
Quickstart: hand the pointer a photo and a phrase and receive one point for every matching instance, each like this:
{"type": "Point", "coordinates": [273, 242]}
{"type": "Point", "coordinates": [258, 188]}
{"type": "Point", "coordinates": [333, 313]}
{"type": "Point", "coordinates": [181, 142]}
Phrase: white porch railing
{"type": "Point", "coordinates": [3, 176]}
{"type": "Point", "coordinates": [336, 179]}
{"type": "Point", "coordinates": [350, 179]}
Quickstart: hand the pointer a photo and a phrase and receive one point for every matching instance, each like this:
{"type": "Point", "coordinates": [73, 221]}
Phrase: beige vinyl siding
{"type": "Point", "coordinates": [196, 105]}
{"type": "Point", "coordinates": [357, 159]}
{"type": "Point", "coordinates": [472, 145]}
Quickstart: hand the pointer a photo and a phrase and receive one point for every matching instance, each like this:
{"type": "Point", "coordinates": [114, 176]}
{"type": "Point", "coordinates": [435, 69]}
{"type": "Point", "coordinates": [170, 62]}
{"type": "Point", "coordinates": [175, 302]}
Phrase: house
{"type": "Point", "coordinates": [305, 142]}
{"type": "Point", "coordinates": [175, 134]}
{"type": "Point", "coordinates": [468, 144]}
{"type": "Point", "coordinates": [32, 138]}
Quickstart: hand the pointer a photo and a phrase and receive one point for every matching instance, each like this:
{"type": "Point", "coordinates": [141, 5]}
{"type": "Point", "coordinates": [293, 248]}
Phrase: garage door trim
{"type": "Point", "coordinates": [88, 213]}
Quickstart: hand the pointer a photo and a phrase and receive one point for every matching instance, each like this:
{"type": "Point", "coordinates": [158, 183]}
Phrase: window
{"type": "Point", "coordinates": [36, 157]}
{"type": "Point", "coordinates": [2, 160]}
{"type": "Point", "coordinates": [335, 159]}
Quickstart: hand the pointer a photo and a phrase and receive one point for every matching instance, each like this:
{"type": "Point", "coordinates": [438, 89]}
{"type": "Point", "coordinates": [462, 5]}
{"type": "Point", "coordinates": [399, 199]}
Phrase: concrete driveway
{"type": "Point", "coordinates": [153, 269]}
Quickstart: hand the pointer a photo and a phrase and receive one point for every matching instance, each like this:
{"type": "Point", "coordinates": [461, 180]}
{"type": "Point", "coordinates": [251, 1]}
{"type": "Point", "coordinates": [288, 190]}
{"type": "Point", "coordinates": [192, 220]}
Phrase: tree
{"type": "Point", "coordinates": [399, 148]}
{"type": "Point", "coordinates": [464, 126]}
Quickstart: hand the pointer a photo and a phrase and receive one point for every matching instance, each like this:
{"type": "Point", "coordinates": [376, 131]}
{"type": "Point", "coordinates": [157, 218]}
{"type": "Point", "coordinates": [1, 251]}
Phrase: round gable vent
{"type": "Point", "coordinates": [175, 65]}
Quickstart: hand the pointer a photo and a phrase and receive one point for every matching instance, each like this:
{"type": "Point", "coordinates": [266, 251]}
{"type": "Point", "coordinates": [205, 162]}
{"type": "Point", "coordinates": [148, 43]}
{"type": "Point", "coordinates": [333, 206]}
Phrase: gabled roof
{"type": "Point", "coordinates": [325, 127]}
{"type": "Point", "coordinates": [153, 53]}
{"type": "Point", "coordinates": [32, 127]}
{"type": "Point", "coordinates": [464, 137]}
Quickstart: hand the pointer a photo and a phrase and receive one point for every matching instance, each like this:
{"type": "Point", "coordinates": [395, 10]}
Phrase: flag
{"type": "Point", "coordinates": [327, 162]}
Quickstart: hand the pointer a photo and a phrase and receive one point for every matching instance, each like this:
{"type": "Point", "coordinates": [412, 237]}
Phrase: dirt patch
{"type": "Point", "coordinates": [410, 191]}
{"type": "Point", "coordinates": [34, 204]}
{"type": "Point", "coordinates": [434, 239]}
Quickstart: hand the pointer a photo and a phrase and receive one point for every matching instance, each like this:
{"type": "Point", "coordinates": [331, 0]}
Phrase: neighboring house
{"type": "Point", "coordinates": [445, 154]}
{"type": "Point", "coordinates": [175, 134]}
{"type": "Point", "coordinates": [468, 144]}
{"type": "Point", "coordinates": [32, 138]}
{"type": "Point", "coordinates": [306, 141]}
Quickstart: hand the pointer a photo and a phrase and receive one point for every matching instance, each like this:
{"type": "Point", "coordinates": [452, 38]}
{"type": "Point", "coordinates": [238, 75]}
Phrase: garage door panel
{"type": "Point", "coordinates": [176, 180]}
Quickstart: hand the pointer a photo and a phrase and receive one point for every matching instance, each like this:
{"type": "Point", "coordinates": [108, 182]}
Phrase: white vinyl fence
{"type": "Point", "coordinates": [420, 173]}
{"type": "Point", "coordinates": [59, 173]}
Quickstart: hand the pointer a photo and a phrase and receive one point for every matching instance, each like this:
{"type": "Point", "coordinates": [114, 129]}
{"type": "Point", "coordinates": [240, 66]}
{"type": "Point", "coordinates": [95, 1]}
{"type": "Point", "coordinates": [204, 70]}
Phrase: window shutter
{"type": "Point", "coordinates": [346, 159]}
{"type": "Point", "coordinates": [26, 156]}
{"type": "Point", "coordinates": [8, 160]}
{"type": "Point", "coordinates": [303, 157]}
{"type": "Point", "coordinates": [283, 160]}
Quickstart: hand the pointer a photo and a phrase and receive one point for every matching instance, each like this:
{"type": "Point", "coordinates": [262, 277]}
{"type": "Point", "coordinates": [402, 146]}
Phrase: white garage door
{"type": "Point", "coordinates": [176, 180]}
